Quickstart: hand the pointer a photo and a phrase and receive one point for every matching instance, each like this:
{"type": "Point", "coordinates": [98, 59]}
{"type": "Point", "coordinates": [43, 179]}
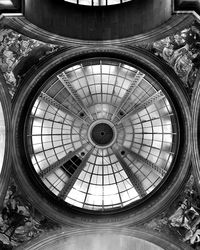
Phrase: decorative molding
{"type": "Point", "coordinates": [182, 219]}
{"type": "Point", "coordinates": [23, 26]}
{"type": "Point", "coordinates": [195, 110]}
{"type": "Point", "coordinates": [182, 52]}
{"type": "Point", "coordinates": [20, 221]}
{"type": "Point", "coordinates": [14, 48]}
{"type": "Point", "coordinates": [159, 239]}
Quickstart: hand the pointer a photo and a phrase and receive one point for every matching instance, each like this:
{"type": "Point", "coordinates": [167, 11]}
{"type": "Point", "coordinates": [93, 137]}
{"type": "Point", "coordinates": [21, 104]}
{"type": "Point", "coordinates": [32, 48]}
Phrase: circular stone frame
{"type": "Point", "coordinates": [52, 206]}
{"type": "Point", "coordinates": [196, 129]}
{"type": "Point", "coordinates": [61, 238]}
{"type": "Point", "coordinates": [5, 100]}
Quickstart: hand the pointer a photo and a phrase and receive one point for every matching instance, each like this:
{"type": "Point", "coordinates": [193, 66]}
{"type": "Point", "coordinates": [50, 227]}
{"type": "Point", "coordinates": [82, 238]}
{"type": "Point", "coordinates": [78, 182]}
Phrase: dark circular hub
{"type": "Point", "coordinates": [102, 134]}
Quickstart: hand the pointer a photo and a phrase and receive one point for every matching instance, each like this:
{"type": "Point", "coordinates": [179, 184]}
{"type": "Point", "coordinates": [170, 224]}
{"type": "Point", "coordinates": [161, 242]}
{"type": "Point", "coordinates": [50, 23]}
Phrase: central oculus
{"type": "Point", "coordinates": [102, 133]}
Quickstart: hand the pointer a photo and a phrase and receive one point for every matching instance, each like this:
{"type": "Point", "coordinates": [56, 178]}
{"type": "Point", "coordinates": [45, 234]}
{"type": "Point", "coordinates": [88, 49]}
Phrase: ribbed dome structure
{"type": "Point", "coordinates": [102, 134]}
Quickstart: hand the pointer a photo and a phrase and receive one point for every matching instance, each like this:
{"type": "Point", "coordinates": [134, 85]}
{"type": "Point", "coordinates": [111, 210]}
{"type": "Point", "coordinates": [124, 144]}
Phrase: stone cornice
{"type": "Point", "coordinates": [159, 239]}
{"type": "Point", "coordinates": [23, 26]}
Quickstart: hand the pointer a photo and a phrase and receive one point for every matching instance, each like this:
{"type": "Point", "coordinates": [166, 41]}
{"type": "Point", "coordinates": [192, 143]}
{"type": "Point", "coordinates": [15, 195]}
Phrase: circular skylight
{"type": "Point", "coordinates": [102, 134]}
{"type": "Point", "coordinates": [97, 2]}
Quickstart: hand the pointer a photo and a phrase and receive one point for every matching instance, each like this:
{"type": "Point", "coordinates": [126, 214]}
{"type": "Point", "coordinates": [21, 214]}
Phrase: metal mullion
{"type": "Point", "coordinates": [51, 185]}
{"type": "Point", "coordinates": [52, 137]}
{"type": "Point", "coordinates": [102, 183]}
{"type": "Point", "coordinates": [59, 106]}
{"type": "Point", "coordinates": [101, 79]}
{"type": "Point", "coordinates": [146, 133]}
{"type": "Point", "coordinates": [67, 84]}
{"type": "Point", "coordinates": [60, 181]}
{"type": "Point", "coordinates": [155, 168]}
{"type": "Point", "coordinates": [96, 113]}
{"type": "Point", "coordinates": [53, 83]}
{"type": "Point", "coordinates": [174, 125]}
{"type": "Point", "coordinates": [44, 150]}
{"type": "Point", "coordinates": [88, 85]}
{"type": "Point", "coordinates": [119, 67]}
{"type": "Point", "coordinates": [47, 120]}
{"type": "Point", "coordinates": [152, 119]}
{"type": "Point", "coordinates": [96, 93]}
{"type": "Point", "coordinates": [89, 182]}
{"type": "Point", "coordinates": [136, 183]}
{"type": "Point", "coordinates": [128, 93]}
{"type": "Point", "coordinates": [30, 131]}
{"type": "Point", "coordinates": [54, 183]}
{"type": "Point", "coordinates": [116, 181]}
{"type": "Point", "coordinates": [81, 129]}
{"type": "Point", "coordinates": [36, 108]}
{"type": "Point", "coordinates": [152, 132]}
{"type": "Point", "coordinates": [141, 133]}
{"type": "Point", "coordinates": [143, 105]}
{"type": "Point", "coordinates": [63, 87]}
{"type": "Point", "coordinates": [57, 93]}
{"type": "Point", "coordinates": [42, 136]}
{"type": "Point", "coordinates": [147, 145]}
{"type": "Point", "coordinates": [162, 138]}
{"type": "Point", "coordinates": [124, 136]}
{"type": "Point", "coordinates": [69, 185]}
{"type": "Point", "coordinates": [108, 82]}
{"type": "Point", "coordinates": [165, 134]}
{"type": "Point", "coordinates": [45, 172]}
{"type": "Point", "coordinates": [71, 133]}
{"type": "Point", "coordinates": [62, 135]}
{"type": "Point", "coordinates": [50, 105]}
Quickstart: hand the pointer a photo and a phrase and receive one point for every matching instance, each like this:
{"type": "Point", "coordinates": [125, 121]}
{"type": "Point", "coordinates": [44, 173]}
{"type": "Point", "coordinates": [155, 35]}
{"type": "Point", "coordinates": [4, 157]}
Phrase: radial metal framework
{"type": "Point", "coordinates": [102, 135]}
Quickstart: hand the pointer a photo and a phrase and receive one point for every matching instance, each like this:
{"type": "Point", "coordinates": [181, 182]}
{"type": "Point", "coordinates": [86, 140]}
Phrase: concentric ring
{"type": "Point", "coordinates": [102, 133]}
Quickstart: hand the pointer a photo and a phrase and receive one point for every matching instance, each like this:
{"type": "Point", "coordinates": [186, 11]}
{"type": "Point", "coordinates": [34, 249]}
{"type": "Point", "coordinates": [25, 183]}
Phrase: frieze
{"type": "Point", "coordinates": [20, 221]}
{"type": "Point", "coordinates": [181, 220]}
{"type": "Point", "coordinates": [182, 52]}
{"type": "Point", "coordinates": [15, 47]}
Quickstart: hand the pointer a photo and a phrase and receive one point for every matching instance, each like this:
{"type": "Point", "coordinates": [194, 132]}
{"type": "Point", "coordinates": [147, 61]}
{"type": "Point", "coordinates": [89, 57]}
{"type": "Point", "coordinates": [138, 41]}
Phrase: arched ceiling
{"type": "Point", "coordinates": [97, 23]}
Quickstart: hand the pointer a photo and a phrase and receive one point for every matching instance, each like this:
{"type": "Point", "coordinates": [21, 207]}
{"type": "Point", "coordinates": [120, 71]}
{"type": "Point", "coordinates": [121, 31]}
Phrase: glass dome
{"type": "Point", "coordinates": [97, 2]}
{"type": "Point", "coordinates": [102, 134]}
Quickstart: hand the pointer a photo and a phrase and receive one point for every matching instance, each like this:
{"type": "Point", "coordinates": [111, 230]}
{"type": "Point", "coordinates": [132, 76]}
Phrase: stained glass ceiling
{"type": "Point", "coordinates": [97, 2]}
{"type": "Point", "coordinates": [102, 135]}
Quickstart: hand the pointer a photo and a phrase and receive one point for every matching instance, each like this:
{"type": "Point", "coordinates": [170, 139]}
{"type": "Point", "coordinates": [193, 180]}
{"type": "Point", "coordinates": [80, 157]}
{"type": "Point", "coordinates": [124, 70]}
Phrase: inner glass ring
{"type": "Point", "coordinates": [102, 133]}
